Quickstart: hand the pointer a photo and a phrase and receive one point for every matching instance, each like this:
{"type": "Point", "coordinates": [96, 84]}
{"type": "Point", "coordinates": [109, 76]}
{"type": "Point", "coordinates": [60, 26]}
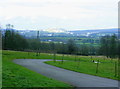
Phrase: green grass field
{"type": "Point", "coordinates": [106, 68]}
{"type": "Point", "coordinates": [17, 76]}
{"type": "Point", "coordinates": [14, 75]}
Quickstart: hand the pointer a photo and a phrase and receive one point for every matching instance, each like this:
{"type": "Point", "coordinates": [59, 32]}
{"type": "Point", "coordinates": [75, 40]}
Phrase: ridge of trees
{"type": "Point", "coordinates": [109, 45]}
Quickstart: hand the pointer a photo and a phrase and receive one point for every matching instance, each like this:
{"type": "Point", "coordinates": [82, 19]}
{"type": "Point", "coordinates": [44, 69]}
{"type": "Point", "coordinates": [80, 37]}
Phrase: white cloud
{"type": "Point", "coordinates": [61, 9]}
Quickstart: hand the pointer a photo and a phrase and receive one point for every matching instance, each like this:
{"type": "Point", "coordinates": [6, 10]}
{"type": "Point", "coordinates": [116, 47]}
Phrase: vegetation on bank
{"type": "Point", "coordinates": [14, 75]}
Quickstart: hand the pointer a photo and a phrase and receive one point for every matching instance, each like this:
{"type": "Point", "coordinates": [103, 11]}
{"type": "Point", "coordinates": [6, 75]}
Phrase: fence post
{"type": "Point", "coordinates": [97, 66]}
{"type": "Point", "coordinates": [62, 58]}
{"type": "Point", "coordinates": [91, 57]}
{"type": "Point", "coordinates": [54, 57]}
{"type": "Point", "coordinates": [115, 69]}
{"type": "Point", "coordinates": [75, 57]}
{"type": "Point", "coordinates": [78, 63]}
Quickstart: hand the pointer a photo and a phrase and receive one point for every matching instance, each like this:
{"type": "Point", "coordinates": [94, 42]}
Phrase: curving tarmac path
{"type": "Point", "coordinates": [73, 78]}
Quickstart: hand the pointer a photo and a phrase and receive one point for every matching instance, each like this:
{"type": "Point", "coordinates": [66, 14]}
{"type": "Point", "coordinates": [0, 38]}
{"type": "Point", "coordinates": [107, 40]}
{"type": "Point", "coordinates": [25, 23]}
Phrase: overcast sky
{"type": "Point", "coordinates": [67, 14]}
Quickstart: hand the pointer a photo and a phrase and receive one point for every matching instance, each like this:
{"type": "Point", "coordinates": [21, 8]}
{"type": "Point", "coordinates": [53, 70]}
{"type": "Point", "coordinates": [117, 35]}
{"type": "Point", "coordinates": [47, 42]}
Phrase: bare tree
{"type": "Point", "coordinates": [38, 45]}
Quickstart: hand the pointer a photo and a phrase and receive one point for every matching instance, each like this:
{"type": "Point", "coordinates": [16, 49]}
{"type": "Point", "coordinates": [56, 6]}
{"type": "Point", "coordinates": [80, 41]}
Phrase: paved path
{"type": "Point", "coordinates": [73, 78]}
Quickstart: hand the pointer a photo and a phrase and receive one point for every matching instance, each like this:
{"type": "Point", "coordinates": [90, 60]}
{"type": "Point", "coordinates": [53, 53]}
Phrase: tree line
{"type": "Point", "coordinates": [108, 46]}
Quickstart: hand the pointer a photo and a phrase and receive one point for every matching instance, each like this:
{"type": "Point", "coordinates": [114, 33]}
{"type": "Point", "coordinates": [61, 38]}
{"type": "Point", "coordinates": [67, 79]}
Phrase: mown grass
{"type": "Point", "coordinates": [83, 64]}
{"type": "Point", "coordinates": [17, 76]}
{"type": "Point", "coordinates": [14, 75]}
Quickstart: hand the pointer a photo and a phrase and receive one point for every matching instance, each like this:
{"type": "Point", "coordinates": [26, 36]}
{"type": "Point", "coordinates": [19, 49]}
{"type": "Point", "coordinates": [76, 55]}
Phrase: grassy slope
{"type": "Point", "coordinates": [17, 76]}
{"type": "Point", "coordinates": [105, 69]}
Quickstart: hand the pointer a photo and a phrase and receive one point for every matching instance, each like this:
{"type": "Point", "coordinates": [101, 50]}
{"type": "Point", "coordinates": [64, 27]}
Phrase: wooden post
{"type": "Point", "coordinates": [115, 69]}
{"type": "Point", "coordinates": [91, 56]}
{"type": "Point", "coordinates": [62, 58]}
{"type": "Point", "coordinates": [75, 57]}
{"type": "Point", "coordinates": [54, 57]}
{"type": "Point", "coordinates": [78, 63]}
{"type": "Point", "coordinates": [97, 66]}
{"type": "Point", "coordinates": [37, 52]}
{"type": "Point", "coordinates": [28, 52]}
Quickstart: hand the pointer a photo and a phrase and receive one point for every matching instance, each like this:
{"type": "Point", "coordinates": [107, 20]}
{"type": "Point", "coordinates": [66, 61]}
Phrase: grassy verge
{"type": "Point", "coordinates": [106, 68]}
{"type": "Point", "coordinates": [17, 76]}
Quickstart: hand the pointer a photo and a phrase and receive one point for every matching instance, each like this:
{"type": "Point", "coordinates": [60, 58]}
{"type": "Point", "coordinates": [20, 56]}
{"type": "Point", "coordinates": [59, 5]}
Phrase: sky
{"type": "Point", "coordinates": [66, 14]}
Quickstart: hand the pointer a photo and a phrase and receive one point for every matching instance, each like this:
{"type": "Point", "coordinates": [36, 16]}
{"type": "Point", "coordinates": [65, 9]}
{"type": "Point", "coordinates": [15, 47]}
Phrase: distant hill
{"type": "Point", "coordinates": [90, 33]}
{"type": "Point", "coordinates": [97, 32]}
{"type": "Point", "coordinates": [113, 30]}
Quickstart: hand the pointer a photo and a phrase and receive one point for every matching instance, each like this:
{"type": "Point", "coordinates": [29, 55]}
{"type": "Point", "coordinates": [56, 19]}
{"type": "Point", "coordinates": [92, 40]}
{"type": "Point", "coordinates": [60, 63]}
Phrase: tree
{"type": "Point", "coordinates": [38, 45]}
{"type": "Point", "coordinates": [109, 46]}
{"type": "Point", "coordinates": [14, 41]}
{"type": "Point", "coordinates": [84, 50]}
{"type": "Point", "coordinates": [113, 46]}
{"type": "Point", "coordinates": [71, 46]}
{"type": "Point", "coordinates": [104, 48]}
